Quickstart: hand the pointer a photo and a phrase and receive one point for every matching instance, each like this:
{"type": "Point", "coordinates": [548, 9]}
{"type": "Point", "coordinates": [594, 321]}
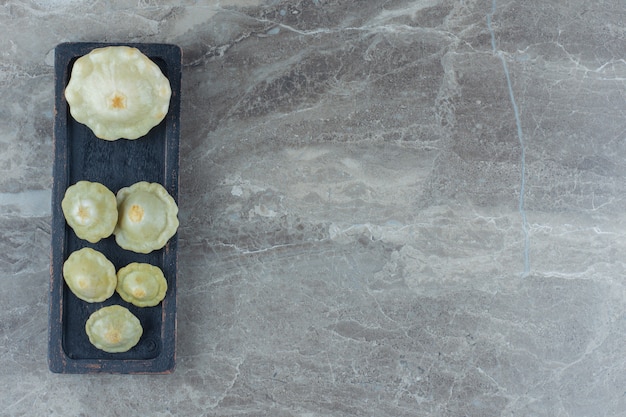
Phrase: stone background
{"type": "Point", "coordinates": [388, 208]}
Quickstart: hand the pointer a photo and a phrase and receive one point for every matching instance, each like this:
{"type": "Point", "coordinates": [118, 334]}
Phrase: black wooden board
{"type": "Point", "coordinates": [80, 155]}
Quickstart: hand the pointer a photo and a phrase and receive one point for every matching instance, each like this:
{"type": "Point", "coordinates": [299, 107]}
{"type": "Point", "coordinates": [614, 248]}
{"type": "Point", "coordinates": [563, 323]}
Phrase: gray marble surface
{"type": "Point", "coordinates": [388, 208]}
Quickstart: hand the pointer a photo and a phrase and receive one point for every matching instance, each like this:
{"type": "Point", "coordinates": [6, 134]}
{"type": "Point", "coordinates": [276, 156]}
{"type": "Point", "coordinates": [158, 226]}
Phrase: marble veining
{"type": "Point", "coordinates": [388, 208]}
{"type": "Point", "coordinates": [520, 136]}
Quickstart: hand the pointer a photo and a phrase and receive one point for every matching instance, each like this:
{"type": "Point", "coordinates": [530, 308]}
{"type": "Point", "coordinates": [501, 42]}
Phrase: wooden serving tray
{"type": "Point", "coordinates": [80, 155]}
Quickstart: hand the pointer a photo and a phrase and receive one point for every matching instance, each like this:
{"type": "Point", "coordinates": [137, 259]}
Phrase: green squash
{"type": "Point", "coordinates": [118, 92]}
{"type": "Point", "coordinates": [113, 329]}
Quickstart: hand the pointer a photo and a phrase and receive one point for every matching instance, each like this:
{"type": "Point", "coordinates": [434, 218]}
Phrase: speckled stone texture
{"type": "Point", "coordinates": [388, 208]}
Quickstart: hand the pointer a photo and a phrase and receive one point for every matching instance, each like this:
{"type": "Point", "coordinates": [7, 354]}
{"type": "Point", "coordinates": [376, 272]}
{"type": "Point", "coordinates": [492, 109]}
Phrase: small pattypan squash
{"type": "Point", "coordinates": [141, 284]}
{"type": "Point", "coordinates": [147, 217]}
{"type": "Point", "coordinates": [90, 275]}
{"type": "Point", "coordinates": [113, 329]}
{"type": "Point", "coordinates": [90, 209]}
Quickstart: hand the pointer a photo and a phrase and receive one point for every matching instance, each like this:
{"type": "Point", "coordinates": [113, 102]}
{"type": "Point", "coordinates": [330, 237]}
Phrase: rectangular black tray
{"type": "Point", "coordinates": [79, 155]}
